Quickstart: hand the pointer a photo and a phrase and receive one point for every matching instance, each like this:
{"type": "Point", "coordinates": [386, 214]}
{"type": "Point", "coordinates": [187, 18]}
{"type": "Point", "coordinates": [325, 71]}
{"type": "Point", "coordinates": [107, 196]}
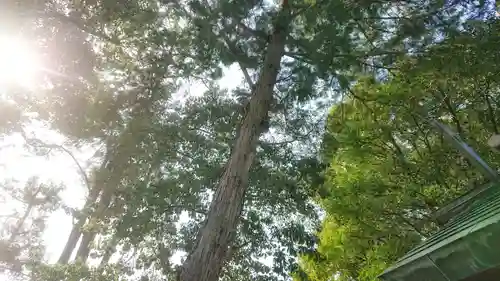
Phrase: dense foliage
{"type": "Point", "coordinates": [389, 169]}
{"type": "Point", "coordinates": [189, 175]}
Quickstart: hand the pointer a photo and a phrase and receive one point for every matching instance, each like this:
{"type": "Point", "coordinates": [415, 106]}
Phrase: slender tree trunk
{"type": "Point", "coordinates": [106, 188]}
{"type": "Point", "coordinates": [454, 115]}
{"type": "Point", "coordinates": [84, 249]}
{"type": "Point", "coordinates": [88, 236]}
{"type": "Point", "coordinates": [205, 262]}
{"type": "Point", "coordinates": [114, 167]}
{"type": "Point", "coordinates": [72, 241]}
{"type": "Point", "coordinates": [76, 232]}
{"type": "Point", "coordinates": [108, 252]}
{"type": "Point", "coordinates": [491, 111]}
{"type": "Point", "coordinates": [21, 222]}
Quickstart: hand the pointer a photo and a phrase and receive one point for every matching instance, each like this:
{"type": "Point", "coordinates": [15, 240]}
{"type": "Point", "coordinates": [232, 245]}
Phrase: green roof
{"type": "Point", "coordinates": [466, 245]}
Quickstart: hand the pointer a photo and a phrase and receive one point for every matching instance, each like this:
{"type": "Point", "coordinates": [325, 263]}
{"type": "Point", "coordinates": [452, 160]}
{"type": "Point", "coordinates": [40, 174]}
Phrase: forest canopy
{"type": "Point", "coordinates": [389, 169]}
{"type": "Point", "coordinates": [235, 140]}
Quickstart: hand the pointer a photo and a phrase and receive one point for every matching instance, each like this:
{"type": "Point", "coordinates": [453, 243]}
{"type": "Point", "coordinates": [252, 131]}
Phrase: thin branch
{"type": "Point", "coordinates": [449, 106]}
{"type": "Point", "coordinates": [407, 222]}
{"type": "Point", "coordinates": [73, 21]}
{"type": "Point", "coordinates": [234, 51]}
{"type": "Point", "coordinates": [388, 68]}
{"type": "Point", "coordinates": [21, 221]}
{"type": "Point", "coordinates": [297, 56]}
{"type": "Point", "coordinates": [398, 148]}
{"type": "Point", "coordinates": [415, 148]}
{"type": "Point", "coordinates": [359, 58]}
{"type": "Point", "coordinates": [295, 138]}
{"type": "Point", "coordinates": [284, 79]}
{"type": "Point", "coordinates": [490, 108]}
{"type": "Point", "coordinates": [244, 244]}
{"type": "Point", "coordinates": [39, 143]}
{"type": "Point", "coordinates": [80, 25]}
{"type": "Point", "coordinates": [234, 249]}
{"type": "Point", "coordinates": [248, 30]}
{"type": "Point", "coordinates": [208, 133]}
{"type": "Point", "coordinates": [304, 9]}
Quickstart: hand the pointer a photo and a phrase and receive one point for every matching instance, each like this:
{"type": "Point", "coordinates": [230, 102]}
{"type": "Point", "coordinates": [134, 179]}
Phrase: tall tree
{"type": "Point", "coordinates": [267, 34]}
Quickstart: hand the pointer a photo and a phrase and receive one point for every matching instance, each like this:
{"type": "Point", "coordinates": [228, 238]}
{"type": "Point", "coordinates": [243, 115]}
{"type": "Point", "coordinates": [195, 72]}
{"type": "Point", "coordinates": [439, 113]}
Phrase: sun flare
{"type": "Point", "coordinates": [19, 64]}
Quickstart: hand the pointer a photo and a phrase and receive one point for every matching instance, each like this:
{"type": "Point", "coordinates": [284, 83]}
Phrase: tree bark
{"type": "Point", "coordinates": [108, 183]}
{"type": "Point", "coordinates": [108, 252]}
{"type": "Point", "coordinates": [491, 111]}
{"type": "Point", "coordinates": [205, 262]}
{"type": "Point", "coordinates": [88, 236]}
{"type": "Point", "coordinates": [76, 232]}
{"type": "Point", "coordinates": [71, 243]}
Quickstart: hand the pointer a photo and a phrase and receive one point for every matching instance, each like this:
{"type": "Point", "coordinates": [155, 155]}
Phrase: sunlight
{"type": "Point", "coordinates": [19, 64]}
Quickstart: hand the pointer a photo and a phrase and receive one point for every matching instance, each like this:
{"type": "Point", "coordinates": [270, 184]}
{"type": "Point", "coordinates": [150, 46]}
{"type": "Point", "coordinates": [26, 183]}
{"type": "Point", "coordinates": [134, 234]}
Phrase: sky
{"type": "Point", "coordinates": [19, 65]}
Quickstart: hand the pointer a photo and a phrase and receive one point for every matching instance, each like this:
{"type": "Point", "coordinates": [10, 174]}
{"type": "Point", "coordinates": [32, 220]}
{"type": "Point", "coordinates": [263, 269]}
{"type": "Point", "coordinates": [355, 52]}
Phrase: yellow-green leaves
{"type": "Point", "coordinates": [388, 169]}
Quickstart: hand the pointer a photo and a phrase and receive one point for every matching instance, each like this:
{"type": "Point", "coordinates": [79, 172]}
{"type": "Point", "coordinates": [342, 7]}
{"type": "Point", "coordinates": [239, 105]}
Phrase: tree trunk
{"type": "Point", "coordinates": [22, 221]}
{"type": "Point", "coordinates": [76, 230]}
{"type": "Point", "coordinates": [84, 249]}
{"type": "Point", "coordinates": [71, 243]}
{"type": "Point", "coordinates": [114, 168]}
{"type": "Point", "coordinates": [108, 252]}
{"type": "Point", "coordinates": [205, 262]}
{"type": "Point", "coordinates": [88, 236]}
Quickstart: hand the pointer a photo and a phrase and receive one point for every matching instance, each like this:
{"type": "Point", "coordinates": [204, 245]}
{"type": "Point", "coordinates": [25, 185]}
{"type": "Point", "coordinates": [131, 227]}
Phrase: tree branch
{"type": "Point", "coordinates": [302, 10]}
{"type": "Point", "coordinates": [39, 143]}
{"type": "Point", "coordinates": [449, 106]}
{"type": "Point", "coordinates": [22, 220]}
{"type": "Point", "coordinates": [80, 25]}
{"type": "Point", "coordinates": [491, 111]}
{"type": "Point", "coordinates": [234, 51]}
{"type": "Point", "coordinates": [245, 29]}
{"type": "Point", "coordinates": [297, 56]}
